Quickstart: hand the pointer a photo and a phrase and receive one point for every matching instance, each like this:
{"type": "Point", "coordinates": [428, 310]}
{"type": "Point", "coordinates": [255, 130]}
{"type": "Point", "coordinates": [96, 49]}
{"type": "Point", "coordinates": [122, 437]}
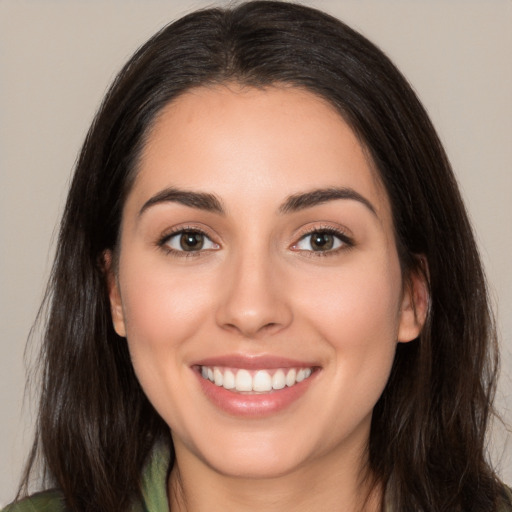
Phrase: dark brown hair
{"type": "Point", "coordinates": [427, 445]}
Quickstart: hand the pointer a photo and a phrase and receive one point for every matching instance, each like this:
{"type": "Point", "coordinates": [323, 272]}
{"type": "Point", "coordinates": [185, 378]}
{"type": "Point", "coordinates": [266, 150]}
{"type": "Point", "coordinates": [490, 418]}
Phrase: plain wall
{"type": "Point", "coordinates": [58, 57]}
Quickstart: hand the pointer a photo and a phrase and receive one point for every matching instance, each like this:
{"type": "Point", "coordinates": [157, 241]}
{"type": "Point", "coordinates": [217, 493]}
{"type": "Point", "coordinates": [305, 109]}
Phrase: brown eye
{"type": "Point", "coordinates": [322, 241]}
{"type": "Point", "coordinates": [191, 241]}
{"type": "Point", "coordinates": [188, 241]}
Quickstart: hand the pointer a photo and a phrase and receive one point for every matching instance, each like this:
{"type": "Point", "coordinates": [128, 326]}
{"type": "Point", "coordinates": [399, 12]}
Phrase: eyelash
{"type": "Point", "coordinates": [164, 240]}
{"type": "Point", "coordinates": [346, 242]}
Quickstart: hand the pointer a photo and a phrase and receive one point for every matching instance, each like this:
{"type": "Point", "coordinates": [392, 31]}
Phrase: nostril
{"type": "Point", "coordinates": [254, 330]}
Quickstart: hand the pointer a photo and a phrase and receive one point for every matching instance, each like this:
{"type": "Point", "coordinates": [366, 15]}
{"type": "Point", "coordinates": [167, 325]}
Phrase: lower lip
{"type": "Point", "coordinates": [254, 405]}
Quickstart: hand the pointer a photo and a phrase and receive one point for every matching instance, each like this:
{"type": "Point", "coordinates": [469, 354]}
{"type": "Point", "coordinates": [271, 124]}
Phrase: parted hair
{"type": "Point", "coordinates": [95, 426]}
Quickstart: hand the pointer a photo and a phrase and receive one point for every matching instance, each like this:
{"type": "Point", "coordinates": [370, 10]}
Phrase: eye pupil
{"type": "Point", "coordinates": [322, 241]}
{"type": "Point", "coordinates": [190, 241]}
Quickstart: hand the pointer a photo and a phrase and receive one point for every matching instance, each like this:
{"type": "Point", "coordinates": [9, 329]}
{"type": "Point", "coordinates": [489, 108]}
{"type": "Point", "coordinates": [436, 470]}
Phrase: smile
{"type": "Point", "coordinates": [254, 381]}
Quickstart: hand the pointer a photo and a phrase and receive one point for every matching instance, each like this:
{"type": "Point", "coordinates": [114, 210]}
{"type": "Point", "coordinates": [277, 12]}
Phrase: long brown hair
{"type": "Point", "coordinates": [427, 445]}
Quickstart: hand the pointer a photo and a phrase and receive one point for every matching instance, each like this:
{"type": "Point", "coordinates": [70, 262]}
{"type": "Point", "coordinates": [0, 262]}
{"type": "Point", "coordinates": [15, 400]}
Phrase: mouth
{"type": "Point", "coordinates": [241, 380]}
{"type": "Point", "coordinates": [257, 386]}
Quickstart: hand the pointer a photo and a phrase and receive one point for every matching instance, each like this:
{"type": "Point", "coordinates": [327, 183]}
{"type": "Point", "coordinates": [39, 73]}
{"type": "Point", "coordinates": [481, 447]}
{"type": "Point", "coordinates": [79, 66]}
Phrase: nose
{"type": "Point", "coordinates": [253, 300]}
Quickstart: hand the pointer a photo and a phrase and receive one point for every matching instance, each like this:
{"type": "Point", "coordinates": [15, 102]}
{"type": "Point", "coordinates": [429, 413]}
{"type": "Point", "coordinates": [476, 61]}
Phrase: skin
{"type": "Point", "coordinates": [258, 288]}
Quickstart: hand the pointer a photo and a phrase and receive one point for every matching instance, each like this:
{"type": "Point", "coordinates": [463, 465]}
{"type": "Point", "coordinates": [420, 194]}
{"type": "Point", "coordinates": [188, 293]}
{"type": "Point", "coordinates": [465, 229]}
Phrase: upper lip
{"type": "Point", "coordinates": [253, 362]}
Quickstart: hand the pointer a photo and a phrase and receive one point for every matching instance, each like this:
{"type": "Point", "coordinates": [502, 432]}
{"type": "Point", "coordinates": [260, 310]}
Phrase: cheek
{"type": "Point", "coordinates": [162, 310]}
{"type": "Point", "coordinates": [356, 312]}
{"type": "Point", "coordinates": [356, 302]}
{"type": "Point", "coordinates": [162, 306]}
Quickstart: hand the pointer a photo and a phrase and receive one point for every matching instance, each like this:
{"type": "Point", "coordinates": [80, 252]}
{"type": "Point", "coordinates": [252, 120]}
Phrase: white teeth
{"type": "Point", "coordinates": [300, 375]}
{"type": "Point", "coordinates": [278, 380]}
{"type": "Point", "coordinates": [261, 381]}
{"type": "Point", "coordinates": [290, 377]}
{"type": "Point", "coordinates": [218, 378]}
{"type": "Point", "coordinates": [243, 381]}
{"type": "Point", "coordinates": [229, 379]}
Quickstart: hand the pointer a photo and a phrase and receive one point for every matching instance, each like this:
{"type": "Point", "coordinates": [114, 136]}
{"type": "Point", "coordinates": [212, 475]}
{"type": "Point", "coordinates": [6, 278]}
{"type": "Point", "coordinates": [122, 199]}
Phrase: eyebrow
{"type": "Point", "coordinates": [294, 203]}
{"type": "Point", "coordinates": [200, 200]}
{"type": "Point", "coordinates": [316, 197]}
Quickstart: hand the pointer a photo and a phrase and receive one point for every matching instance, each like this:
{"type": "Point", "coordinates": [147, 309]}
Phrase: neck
{"type": "Point", "coordinates": [325, 484]}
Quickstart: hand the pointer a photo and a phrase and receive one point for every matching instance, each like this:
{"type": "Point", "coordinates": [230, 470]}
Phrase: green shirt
{"type": "Point", "coordinates": [154, 492]}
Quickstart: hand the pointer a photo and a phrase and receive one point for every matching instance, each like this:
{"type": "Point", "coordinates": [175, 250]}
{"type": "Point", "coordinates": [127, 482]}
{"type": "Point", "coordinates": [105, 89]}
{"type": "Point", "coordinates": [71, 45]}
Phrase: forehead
{"type": "Point", "coordinates": [235, 140]}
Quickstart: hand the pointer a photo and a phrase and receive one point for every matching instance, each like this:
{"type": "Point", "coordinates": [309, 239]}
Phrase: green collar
{"type": "Point", "coordinates": [154, 482]}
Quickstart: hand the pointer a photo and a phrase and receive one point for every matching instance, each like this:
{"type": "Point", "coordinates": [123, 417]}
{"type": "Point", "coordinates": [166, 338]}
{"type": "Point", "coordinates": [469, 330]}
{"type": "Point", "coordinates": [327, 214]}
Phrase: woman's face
{"type": "Point", "coordinates": [258, 283]}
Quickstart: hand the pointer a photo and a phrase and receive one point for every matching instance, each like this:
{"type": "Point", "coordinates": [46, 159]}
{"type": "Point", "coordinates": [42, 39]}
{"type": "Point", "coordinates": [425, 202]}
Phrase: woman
{"type": "Point", "coordinates": [266, 293]}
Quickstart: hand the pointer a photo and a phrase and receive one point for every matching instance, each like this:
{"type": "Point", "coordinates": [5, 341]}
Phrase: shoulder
{"type": "Point", "coordinates": [153, 493]}
{"type": "Point", "coordinates": [47, 501]}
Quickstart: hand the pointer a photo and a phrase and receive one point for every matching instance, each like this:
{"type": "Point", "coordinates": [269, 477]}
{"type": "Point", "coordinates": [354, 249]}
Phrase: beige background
{"type": "Point", "coordinates": [57, 58]}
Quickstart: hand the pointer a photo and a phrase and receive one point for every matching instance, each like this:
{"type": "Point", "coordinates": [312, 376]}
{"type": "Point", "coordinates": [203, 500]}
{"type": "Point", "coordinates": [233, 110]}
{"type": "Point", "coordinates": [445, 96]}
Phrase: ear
{"type": "Point", "coordinates": [116, 305]}
{"type": "Point", "coordinates": [415, 304]}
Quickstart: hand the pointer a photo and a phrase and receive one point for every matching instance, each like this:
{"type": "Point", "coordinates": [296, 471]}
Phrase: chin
{"type": "Point", "coordinates": [247, 453]}
{"type": "Point", "coordinates": [257, 466]}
